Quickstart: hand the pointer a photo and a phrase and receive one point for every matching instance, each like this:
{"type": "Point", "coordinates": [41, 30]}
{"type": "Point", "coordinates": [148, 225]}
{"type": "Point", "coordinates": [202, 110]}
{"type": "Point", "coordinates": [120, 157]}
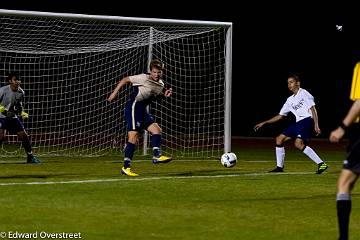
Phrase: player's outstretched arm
{"type": "Point", "coordinates": [353, 113]}
{"type": "Point", "coordinates": [121, 83]}
{"type": "Point", "coordinates": [316, 120]}
{"type": "Point", "coordinates": [271, 120]}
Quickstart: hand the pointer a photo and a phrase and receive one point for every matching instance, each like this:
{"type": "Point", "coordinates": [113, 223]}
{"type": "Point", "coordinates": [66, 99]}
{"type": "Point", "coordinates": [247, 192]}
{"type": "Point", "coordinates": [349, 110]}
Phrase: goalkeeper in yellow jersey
{"type": "Point", "coordinates": [12, 114]}
{"type": "Point", "coordinates": [147, 87]}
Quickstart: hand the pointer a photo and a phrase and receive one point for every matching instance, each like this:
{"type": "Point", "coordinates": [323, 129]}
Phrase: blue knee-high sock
{"type": "Point", "coordinates": [156, 143]}
{"type": "Point", "coordinates": [129, 153]}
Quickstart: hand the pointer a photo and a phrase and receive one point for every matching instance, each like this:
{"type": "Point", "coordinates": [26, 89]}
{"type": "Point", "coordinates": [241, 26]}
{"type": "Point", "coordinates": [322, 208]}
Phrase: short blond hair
{"type": "Point", "coordinates": [156, 63]}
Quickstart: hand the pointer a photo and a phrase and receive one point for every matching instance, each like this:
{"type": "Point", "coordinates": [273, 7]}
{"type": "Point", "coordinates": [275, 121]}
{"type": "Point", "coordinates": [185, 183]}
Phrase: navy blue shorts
{"type": "Point", "coordinates": [301, 129]}
{"type": "Point", "coordinates": [136, 116]}
{"type": "Point", "coordinates": [13, 125]}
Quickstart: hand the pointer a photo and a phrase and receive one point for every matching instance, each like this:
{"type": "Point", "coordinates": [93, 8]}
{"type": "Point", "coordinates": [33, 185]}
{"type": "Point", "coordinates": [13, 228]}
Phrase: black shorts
{"type": "Point", "coordinates": [352, 161]}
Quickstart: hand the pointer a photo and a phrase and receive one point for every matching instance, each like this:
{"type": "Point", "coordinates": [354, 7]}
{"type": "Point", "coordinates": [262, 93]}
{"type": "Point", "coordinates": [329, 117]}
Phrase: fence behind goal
{"type": "Point", "coordinates": [70, 63]}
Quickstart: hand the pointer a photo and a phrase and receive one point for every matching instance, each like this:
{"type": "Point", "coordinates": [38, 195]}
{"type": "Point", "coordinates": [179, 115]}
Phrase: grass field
{"type": "Point", "coordinates": [184, 199]}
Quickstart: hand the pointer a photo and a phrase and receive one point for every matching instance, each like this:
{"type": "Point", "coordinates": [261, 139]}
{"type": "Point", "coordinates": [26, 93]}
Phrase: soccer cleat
{"type": "Point", "coordinates": [33, 159]}
{"type": "Point", "coordinates": [161, 159]}
{"type": "Point", "coordinates": [321, 168]}
{"type": "Point", "coordinates": [277, 169]}
{"type": "Point", "coordinates": [128, 172]}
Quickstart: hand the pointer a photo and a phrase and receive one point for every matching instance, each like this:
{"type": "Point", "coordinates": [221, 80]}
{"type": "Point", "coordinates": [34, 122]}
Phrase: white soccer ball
{"type": "Point", "coordinates": [228, 159]}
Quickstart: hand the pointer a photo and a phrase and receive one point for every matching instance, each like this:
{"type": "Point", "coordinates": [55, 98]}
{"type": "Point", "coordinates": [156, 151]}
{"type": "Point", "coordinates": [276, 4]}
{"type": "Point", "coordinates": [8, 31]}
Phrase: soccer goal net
{"type": "Point", "coordinates": [70, 63]}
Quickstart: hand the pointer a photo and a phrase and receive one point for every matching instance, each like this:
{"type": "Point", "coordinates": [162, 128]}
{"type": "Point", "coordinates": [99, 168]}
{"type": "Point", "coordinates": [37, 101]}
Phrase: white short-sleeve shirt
{"type": "Point", "coordinates": [147, 87]}
{"type": "Point", "coordinates": [299, 105]}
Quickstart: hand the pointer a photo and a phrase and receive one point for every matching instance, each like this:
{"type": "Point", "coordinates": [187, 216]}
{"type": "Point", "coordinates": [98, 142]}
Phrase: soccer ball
{"type": "Point", "coordinates": [228, 159]}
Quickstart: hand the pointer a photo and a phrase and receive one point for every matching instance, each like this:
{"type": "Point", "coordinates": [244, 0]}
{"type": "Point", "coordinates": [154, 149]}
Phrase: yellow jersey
{"type": "Point", "coordinates": [355, 85]}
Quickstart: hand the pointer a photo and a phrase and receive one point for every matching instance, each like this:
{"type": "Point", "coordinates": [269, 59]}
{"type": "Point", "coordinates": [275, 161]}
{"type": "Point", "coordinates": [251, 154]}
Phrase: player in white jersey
{"type": "Point", "coordinates": [301, 104]}
{"type": "Point", "coordinates": [147, 88]}
{"type": "Point", "coordinates": [12, 114]}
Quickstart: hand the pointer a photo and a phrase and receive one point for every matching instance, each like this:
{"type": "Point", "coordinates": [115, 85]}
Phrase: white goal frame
{"type": "Point", "coordinates": [228, 50]}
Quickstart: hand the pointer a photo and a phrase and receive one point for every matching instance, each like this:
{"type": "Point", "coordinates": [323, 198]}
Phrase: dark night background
{"type": "Point", "coordinates": [269, 42]}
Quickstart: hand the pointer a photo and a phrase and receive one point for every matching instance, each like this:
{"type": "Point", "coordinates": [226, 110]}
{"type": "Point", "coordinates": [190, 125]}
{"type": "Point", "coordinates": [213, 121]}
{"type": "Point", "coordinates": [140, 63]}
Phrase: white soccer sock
{"type": "Point", "coordinates": [280, 156]}
{"type": "Point", "coordinates": [312, 155]}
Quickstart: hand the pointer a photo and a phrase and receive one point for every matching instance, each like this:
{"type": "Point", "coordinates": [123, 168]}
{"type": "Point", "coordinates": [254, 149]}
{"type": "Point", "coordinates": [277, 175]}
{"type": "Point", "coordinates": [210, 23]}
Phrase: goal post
{"type": "Point", "coordinates": [70, 63]}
